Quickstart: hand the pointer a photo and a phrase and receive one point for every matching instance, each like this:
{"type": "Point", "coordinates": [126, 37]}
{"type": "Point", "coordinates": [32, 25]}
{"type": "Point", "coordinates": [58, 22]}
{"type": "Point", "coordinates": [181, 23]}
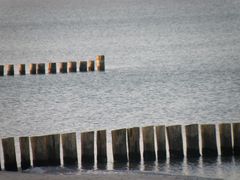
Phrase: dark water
{"type": "Point", "coordinates": [167, 61]}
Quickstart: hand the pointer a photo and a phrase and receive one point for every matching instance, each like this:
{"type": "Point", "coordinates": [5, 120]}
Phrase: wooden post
{"type": "Point", "coordinates": [161, 142]}
{"type": "Point", "coordinates": [226, 139]}
{"type": "Point", "coordinates": [22, 69]}
{"type": "Point", "coordinates": [119, 146]}
{"type": "Point", "coordinates": [63, 67]}
{"type": "Point", "coordinates": [33, 69]}
{"type": "Point", "coordinates": [9, 154]}
{"type": "Point", "coordinates": [53, 149]}
{"type": "Point", "coordinates": [25, 152]}
{"type": "Point", "coordinates": [46, 150]}
{"type": "Point", "coordinates": [69, 145]}
{"type": "Point", "coordinates": [52, 68]}
{"type": "Point", "coordinates": [41, 68]}
{"type": "Point", "coordinates": [236, 138]}
{"type": "Point", "coordinates": [209, 145]}
{"type": "Point", "coordinates": [1, 70]}
{"type": "Point", "coordinates": [100, 63]}
{"type": "Point", "coordinates": [10, 69]}
{"type": "Point", "coordinates": [83, 66]}
{"type": "Point", "coordinates": [90, 65]}
{"type": "Point", "coordinates": [133, 144]}
{"type": "Point", "coordinates": [192, 139]}
{"type": "Point", "coordinates": [87, 147]}
{"type": "Point", "coordinates": [174, 134]}
{"type": "Point", "coordinates": [148, 144]}
{"type": "Point", "coordinates": [39, 150]}
{"type": "Point", "coordinates": [101, 146]}
{"type": "Point", "coordinates": [72, 67]}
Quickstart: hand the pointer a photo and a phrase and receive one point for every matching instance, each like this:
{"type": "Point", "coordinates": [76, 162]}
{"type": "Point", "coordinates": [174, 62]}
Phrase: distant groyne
{"type": "Point", "coordinates": [53, 67]}
{"type": "Point", "coordinates": [156, 142]}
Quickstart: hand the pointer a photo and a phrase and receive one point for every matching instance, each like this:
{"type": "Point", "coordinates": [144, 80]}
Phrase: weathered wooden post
{"type": "Point", "coordinates": [41, 68]}
{"type": "Point", "coordinates": [174, 134]}
{"type": "Point", "coordinates": [1, 70]}
{"type": "Point", "coordinates": [9, 154]}
{"type": "Point", "coordinates": [69, 145]}
{"type": "Point", "coordinates": [63, 67]}
{"type": "Point", "coordinates": [72, 67]}
{"type": "Point", "coordinates": [90, 65]}
{"type": "Point", "coordinates": [52, 68]}
{"type": "Point", "coordinates": [87, 148]}
{"type": "Point", "coordinates": [22, 69]}
{"type": "Point", "coordinates": [53, 149]}
{"type": "Point", "coordinates": [148, 143]}
{"type": "Point", "coordinates": [236, 138]}
{"type": "Point", "coordinates": [33, 69]}
{"type": "Point", "coordinates": [161, 142]}
{"type": "Point", "coordinates": [46, 150]}
{"type": "Point", "coordinates": [100, 63]}
{"type": "Point", "coordinates": [101, 146]}
{"type": "Point", "coordinates": [10, 69]}
{"type": "Point", "coordinates": [39, 150]}
{"type": "Point", "coordinates": [25, 152]}
{"type": "Point", "coordinates": [119, 146]}
{"type": "Point", "coordinates": [226, 139]}
{"type": "Point", "coordinates": [209, 145]}
{"type": "Point", "coordinates": [133, 144]}
{"type": "Point", "coordinates": [83, 66]}
{"type": "Point", "coordinates": [192, 139]}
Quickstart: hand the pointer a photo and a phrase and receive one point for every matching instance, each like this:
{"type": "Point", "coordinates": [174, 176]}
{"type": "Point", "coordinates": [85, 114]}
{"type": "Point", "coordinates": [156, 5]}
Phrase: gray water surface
{"type": "Point", "coordinates": [167, 62]}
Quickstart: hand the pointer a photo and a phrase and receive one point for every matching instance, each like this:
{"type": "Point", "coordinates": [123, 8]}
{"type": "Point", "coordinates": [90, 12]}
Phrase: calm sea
{"type": "Point", "coordinates": [167, 62]}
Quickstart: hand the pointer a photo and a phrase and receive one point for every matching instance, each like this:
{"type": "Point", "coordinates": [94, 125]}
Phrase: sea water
{"type": "Point", "coordinates": [167, 62]}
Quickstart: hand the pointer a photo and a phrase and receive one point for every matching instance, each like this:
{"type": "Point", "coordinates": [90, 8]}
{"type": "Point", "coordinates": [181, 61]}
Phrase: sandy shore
{"type": "Point", "coordinates": [88, 176]}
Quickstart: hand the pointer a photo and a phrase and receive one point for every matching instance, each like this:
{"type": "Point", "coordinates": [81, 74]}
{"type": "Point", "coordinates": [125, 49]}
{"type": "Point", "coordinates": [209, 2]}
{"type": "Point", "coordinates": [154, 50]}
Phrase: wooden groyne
{"type": "Point", "coordinates": [54, 68]}
{"type": "Point", "coordinates": [126, 145]}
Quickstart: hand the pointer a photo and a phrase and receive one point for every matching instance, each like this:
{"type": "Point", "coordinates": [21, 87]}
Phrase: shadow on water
{"type": "Point", "coordinates": [227, 159]}
{"type": "Point", "coordinates": [102, 166]}
{"type": "Point", "coordinates": [134, 166]}
{"type": "Point", "coordinates": [149, 165]}
{"type": "Point", "coordinates": [120, 166]}
{"type": "Point", "coordinates": [87, 166]}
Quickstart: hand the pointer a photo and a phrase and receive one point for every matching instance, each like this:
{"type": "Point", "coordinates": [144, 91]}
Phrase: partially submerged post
{"type": "Point", "coordinates": [41, 68]}
{"type": "Point", "coordinates": [33, 69]}
{"type": "Point", "coordinates": [87, 148]}
{"type": "Point", "coordinates": [22, 69]}
{"type": "Point", "coordinates": [192, 139]}
{"type": "Point", "coordinates": [25, 152]}
{"type": "Point", "coordinates": [148, 144]}
{"type": "Point", "coordinates": [53, 149]}
{"type": "Point", "coordinates": [100, 63]}
{"type": "Point", "coordinates": [9, 154]}
{"type": "Point", "coordinates": [236, 138]}
{"type": "Point", "coordinates": [101, 146]}
{"type": "Point", "coordinates": [46, 150]}
{"type": "Point", "coordinates": [90, 65]}
{"type": "Point", "coordinates": [119, 146]}
{"type": "Point", "coordinates": [161, 142]}
{"type": "Point", "coordinates": [69, 145]}
{"type": "Point", "coordinates": [1, 70]}
{"type": "Point", "coordinates": [174, 134]}
{"type": "Point", "coordinates": [52, 68]}
{"type": "Point", "coordinates": [226, 139]}
{"type": "Point", "coordinates": [209, 145]}
{"type": "Point", "coordinates": [10, 69]}
{"type": "Point", "coordinates": [83, 66]}
{"type": "Point", "coordinates": [63, 67]}
{"type": "Point", "coordinates": [39, 151]}
{"type": "Point", "coordinates": [72, 67]}
{"type": "Point", "coordinates": [133, 135]}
